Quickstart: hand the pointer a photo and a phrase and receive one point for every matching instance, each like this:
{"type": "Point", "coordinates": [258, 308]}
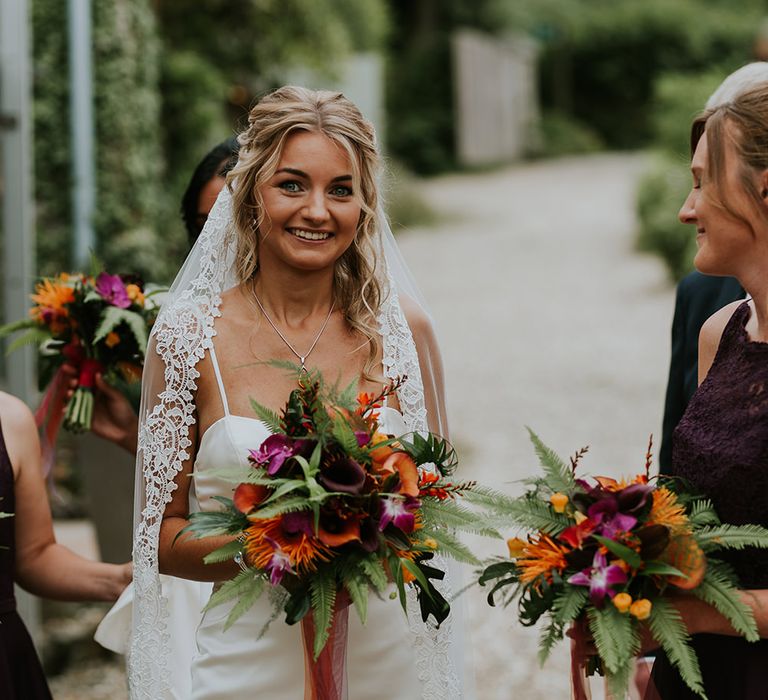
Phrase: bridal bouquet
{"type": "Point", "coordinates": [610, 553]}
{"type": "Point", "coordinates": [97, 323]}
{"type": "Point", "coordinates": [331, 509]}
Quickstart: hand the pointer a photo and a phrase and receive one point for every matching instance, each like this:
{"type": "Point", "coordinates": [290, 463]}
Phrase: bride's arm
{"type": "Point", "coordinates": [430, 364]}
{"type": "Point", "coordinates": [183, 557]}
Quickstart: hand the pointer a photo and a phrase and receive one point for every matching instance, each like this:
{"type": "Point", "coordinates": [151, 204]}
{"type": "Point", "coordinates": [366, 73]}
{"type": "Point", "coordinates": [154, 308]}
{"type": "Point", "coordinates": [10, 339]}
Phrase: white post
{"type": "Point", "coordinates": [17, 211]}
{"type": "Point", "coordinates": [82, 131]}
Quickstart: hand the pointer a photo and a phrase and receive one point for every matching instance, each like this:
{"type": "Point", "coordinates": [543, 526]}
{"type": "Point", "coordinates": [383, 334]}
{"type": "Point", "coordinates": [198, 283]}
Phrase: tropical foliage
{"type": "Point", "coordinates": [608, 554]}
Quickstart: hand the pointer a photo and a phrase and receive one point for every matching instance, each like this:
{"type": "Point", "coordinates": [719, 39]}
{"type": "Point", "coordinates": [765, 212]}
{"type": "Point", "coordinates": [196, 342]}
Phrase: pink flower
{"type": "Point", "coordinates": [273, 452]}
{"type": "Point", "coordinates": [399, 512]}
{"type": "Point", "coordinates": [279, 564]}
{"type": "Point", "coordinates": [112, 289]}
{"type": "Point", "coordinates": [600, 578]}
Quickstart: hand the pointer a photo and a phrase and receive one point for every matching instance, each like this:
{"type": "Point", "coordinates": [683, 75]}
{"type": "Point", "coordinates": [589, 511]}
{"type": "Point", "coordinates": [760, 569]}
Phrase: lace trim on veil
{"type": "Point", "coordinates": [182, 334]}
{"type": "Point", "coordinates": [432, 645]}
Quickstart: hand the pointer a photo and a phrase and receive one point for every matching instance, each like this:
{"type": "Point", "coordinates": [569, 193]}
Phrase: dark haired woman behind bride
{"type": "Point", "coordinates": [295, 263]}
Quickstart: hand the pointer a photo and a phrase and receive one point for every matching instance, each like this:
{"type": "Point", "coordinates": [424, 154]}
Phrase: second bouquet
{"type": "Point", "coordinates": [610, 557]}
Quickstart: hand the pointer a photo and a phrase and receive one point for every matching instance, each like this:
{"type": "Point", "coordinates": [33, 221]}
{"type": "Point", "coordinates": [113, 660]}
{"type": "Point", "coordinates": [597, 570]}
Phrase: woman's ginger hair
{"type": "Point", "coordinates": [290, 109]}
{"type": "Point", "coordinates": [742, 121]}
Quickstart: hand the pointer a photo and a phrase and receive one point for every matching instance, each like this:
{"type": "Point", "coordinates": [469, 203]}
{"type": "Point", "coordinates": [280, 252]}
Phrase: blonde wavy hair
{"type": "Point", "coordinates": [358, 288]}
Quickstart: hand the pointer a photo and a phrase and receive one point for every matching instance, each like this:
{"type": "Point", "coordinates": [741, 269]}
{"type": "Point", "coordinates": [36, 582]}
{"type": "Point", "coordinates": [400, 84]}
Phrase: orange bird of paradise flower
{"type": "Point", "coordinates": [540, 557]}
{"type": "Point", "coordinates": [303, 550]}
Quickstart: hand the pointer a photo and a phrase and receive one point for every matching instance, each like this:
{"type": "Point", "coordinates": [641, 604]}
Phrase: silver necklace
{"type": "Point", "coordinates": [302, 358]}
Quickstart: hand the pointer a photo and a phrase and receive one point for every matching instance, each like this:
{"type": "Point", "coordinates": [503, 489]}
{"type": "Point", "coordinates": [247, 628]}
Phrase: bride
{"type": "Point", "coordinates": [296, 262]}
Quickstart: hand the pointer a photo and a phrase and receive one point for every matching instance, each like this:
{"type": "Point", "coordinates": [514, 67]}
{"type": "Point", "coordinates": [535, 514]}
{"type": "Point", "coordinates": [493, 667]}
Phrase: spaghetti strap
{"type": "Point", "coordinates": [219, 381]}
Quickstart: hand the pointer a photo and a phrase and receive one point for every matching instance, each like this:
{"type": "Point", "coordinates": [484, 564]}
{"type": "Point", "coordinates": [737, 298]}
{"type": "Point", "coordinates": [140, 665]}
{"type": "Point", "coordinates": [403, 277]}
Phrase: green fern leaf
{"type": "Point", "coordinates": [558, 475]}
{"type": "Point", "coordinates": [453, 515]}
{"type": "Point", "coordinates": [731, 537]}
{"type": "Point", "coordinates": [285, 505]}
{"type": "Point", "coordinates": [243, 582]}
{"type": "Point", "coordinates": [450, 546]}
{"type": "Point", "coordinates": [322, 588]}
{"type": "Point", "coordinates": [114, 316]}
{"type": "Point", "coordinates": [16, 326]}
{"type": "Point", "coordinates": [267, 416]}
{"type": "Point", "coordinates": [616, 638]}
{"type": "Point", "coordinates": [719, 590]}
{"type": "Point", "coordinates": [531, 513]}
{"type": "Point", "coordinates": [550, 636]}
{"type": "Point", "coordinates": [34, 336]}
{"type": "Point", "coordinates": [373, 569]}
{"type": "Point", "coordinates": [668, 629]}
{"type": "Point", "coordinates": [703, 513]}
{"type": "Point", "coordinates": [568, 605]}
{"type": "Point", "coordinates": [225, 553]}
{"type": "Point", "coordinates": [248, 596]}
{"type": "Point", "coordinates": [357, 587]}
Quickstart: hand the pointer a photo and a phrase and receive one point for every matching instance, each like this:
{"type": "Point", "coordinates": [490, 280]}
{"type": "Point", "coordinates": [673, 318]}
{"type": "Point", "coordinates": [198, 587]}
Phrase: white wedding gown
{"type": "Point", "coordinates": [386, 658]}
{"type": "Point", "coordinates": [239, 662]}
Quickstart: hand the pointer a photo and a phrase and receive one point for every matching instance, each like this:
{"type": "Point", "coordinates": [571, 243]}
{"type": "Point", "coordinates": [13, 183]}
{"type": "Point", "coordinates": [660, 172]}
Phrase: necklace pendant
{"type": "Point", "coordinates": [303, 368]}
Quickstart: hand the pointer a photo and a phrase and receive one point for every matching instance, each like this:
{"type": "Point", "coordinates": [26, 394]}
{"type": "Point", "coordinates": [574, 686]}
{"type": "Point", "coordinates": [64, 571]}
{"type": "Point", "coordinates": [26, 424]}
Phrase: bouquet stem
{"type": "Point", "coordinates": [325, 678]}
{"type": "Point", "coordinates": [79, 413]}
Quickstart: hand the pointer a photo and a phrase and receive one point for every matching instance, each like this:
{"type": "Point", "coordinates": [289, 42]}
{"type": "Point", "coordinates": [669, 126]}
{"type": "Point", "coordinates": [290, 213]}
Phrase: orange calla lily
{"type": "Point", "coordinates": [248, 496]}
{"type": "Point", "coordinates": [380, 454]}
{"type": "Point", "coordinates": [348, 532]}
{"type": "Point", "coordinates": [407, 470]}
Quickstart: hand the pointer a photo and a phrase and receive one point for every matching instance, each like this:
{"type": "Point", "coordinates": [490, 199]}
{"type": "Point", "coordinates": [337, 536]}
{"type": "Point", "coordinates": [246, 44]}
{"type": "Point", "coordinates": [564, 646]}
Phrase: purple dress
{"type": "Point", "coordinates": [21, 675]}
{"type": "Point", "coordinates": [721, 447]}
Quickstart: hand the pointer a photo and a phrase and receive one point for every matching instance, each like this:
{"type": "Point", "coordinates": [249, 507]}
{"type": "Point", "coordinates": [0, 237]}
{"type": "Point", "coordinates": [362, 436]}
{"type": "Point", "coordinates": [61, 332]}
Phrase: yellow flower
{"type": "Point", "coordinates": [516, 547]}
{"type": "Point", "coordinates": [558, 501]}
{"type": "Point", "coordinates": [112, 339]}
{"type": "Point", "coordinates": [622, 601]}
{"type": "Point", "coordinates": [641, 609]}
{"type": "Point", "coordinates": [430, 542]}
{"type": "Point", "coordinates": [135, 294]}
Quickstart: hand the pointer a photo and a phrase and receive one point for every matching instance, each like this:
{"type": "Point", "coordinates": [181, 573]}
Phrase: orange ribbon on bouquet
{"type": "Point", "coordinates": [325, 678]}
{"type": "Point", "coordinates": [50, 413]}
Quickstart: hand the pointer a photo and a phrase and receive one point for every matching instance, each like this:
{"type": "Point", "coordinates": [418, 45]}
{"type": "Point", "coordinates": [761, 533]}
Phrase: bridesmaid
{"type": "Point", "coordinates": [721, 443]}
{"type": "Point", "coordinates": [31, 557]}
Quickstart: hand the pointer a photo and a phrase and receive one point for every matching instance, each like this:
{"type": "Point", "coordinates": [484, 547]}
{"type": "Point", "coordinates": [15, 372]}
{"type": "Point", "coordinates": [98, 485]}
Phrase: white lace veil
{"type": "Point", "coordinates": [179, 340]}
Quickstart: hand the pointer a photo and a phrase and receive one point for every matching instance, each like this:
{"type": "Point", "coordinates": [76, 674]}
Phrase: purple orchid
{"type": "Point", "coordinates": [398, 511]}
{"type": "Point", "coordinates": [112, 289]}
{"type": "Point", "coordinates": [600, 578]}
{"type": "Point", "coordinates": [608, 518]}
{"type": "Point", "coordinates": [273, 452]}
{"type": "Point", "coordinates": [279, 564]}
{"type": "Point", "coordinates": [362, 438]}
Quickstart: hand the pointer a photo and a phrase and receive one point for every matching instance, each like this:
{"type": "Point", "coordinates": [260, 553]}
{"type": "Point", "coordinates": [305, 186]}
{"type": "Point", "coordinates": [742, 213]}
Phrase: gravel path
{"type": "Point", "coordinates": [547, 318]}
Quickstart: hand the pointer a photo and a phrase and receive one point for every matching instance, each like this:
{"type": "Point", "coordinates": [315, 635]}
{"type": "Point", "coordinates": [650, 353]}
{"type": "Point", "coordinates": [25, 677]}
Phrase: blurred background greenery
{"type": "Point", "coordinates": [173, 79]}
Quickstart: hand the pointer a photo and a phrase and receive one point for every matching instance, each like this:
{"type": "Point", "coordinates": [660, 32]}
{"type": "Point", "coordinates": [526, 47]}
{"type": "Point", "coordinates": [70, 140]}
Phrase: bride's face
{"type": "Point", "coordinates": [311, 212]}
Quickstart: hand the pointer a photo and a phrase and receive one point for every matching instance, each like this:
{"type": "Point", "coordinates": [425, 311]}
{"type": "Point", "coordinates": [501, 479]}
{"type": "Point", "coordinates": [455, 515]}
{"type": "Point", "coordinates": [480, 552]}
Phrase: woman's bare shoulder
{"type": "Point", "coordinates": [713, 327]}
{"type": "Point", "coordinates": [15, 414]}
{"type": "Point", "coordinates": [418, 319]}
